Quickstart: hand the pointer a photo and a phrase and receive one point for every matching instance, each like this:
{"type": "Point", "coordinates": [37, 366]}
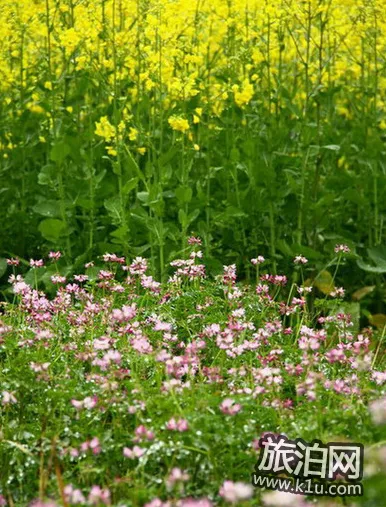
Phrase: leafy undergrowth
{"type": "Point", "coordinates": [126, 392]}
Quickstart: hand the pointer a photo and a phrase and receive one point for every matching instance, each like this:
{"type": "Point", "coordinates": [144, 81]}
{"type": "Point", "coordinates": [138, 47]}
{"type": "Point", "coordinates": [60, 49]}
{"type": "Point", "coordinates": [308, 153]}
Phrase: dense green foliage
{"type": "Point", "coordinates": [277, 144]}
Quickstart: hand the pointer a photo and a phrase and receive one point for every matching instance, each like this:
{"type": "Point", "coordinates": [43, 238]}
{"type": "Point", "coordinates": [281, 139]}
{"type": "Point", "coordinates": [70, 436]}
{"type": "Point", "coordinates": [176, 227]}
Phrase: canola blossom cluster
{"type": "Point", "coordinates": [174, 55]}
{"type": "Point", "coordinates": [128, 125]}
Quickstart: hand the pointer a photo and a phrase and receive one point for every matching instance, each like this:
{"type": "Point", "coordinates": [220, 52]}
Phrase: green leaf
{"type": "Point", "coordinates": [307, 251]}
{"type": "Point", "coordinates": [378, 320]}
{"type": "Point", "coordinates": [324, 282]}
{"type": "Point", "coordinates": [362, 292]}
{"type": "Point", "coordinates": [132, 164]}
{"type": "Point", "coordinates": [284, 248]}
{"type": "Point", "coordinates": [182, 218]}
{"type": "Point", "coordinates": [92, 273]}
{"type": "Point", "coordinates": [129, 185]}
{"type": "Point", "coordinates": [85, 203]}
{"type": "Point", "coordinates": [184, 194]}
{"type": "Point", "coordinates": [234, 212]}
{"type": "Point", "coordinates": [332, 147]}
{"type": "Point", "coordinates": [113, 206]}
{"type": "Point", "coordinates": [234, 155]}
{"type": "Point", "coordinates": [99, 177]}
{"type": "Point", "coordinates": [52, 229]}
{"type": "Point", "coordinates": [378, 255]}
{"type": "Point", "coordinates": [47, 208]}
{"type": "Point", "coordinates": [120, 235]}
{"type": "Point", "coordinates": [167, 157]}
{"type": "Point", "coordinates": [143, 197]}
{"type": "Point", "coordinates": [193, 215]}
{"type": "Point", "coordinates": [116, 168]}
{"type": "Point", "coordinates": [59, 151]}
{"type": "Point", "coordinates": [34, 274]}
{"type": "Point", "coordinates": [3, 266]}
{"type": "Point", "coordinates": [47, 175]}
{"type": "Point", "coordinates": [371, 269]}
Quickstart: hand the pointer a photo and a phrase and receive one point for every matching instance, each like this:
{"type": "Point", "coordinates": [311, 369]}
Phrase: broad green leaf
{"type": "Point", "coordinates": [378, 255]}
{"type": "Point", "coordinates": [99, 177]}
{"type": "Point", "coordinates": [85, 203]}
{"type": "Point", "coordinates": [183, 218]}
{"type": "Point", "coordinates": [52, 229]}
{"type": "Point", "coordinates": [362, 292]}
{"type": "Point", "coordinates": [92, 273]}
{"type": "Point", "coordinates": [113, 206]}
{"type": "Point", "coordinates": [324, 282]}
{"type": "Point", "coordinates": [234, 155]}
{"type": "Point", "coordinates": [59, 151]}
{"type": "Point", "coordinates": [167, 157]}
{"type": "Point", "coordinates": [284, 247]}
{"type": "Point", "coordinates": [116, 168]}
{"type": "Point", "coordinates": [193, 215]}
{"type": "Point", "coordinates": [143, 197]}
{"type": "Point", "coordinates": [120, 234]}
{"type": "Point", "coordinates": [47, 175]}
{"type": "Point", "coordinates": [378, 320]}
{"type": "Point", "coordinates": [371, 269]}
{"type": "Point", "coordinates": [232, 211]}
{"type": "Point", "coordinates": [47, 208]}
{"type": "Point", "coordinates": [130, 185]}
{"type": "Point", "coordinates": [307, 251]}
{"type": "Point", "coordinates": [184, 194]}
{"type": "Point", "coordinates": [3, 266]}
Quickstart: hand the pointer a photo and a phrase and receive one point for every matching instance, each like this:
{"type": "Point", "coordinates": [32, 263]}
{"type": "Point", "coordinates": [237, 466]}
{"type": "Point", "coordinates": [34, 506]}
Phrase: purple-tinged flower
{"type": "Point", "coordinates": [36, 263]}
{"type": "Point", "coordinates": [194, 502]}
{"type": "Point", "coordinates": [58, 279]}
{"type": "Point", "coordinates": [113, 258]}
{"type": "Point", "coordinates": [142, 433]}
{"type": "Point", "coordinates": [13, 262]}
{"type": "Point", "coordinates": [8, 398]}
{"type": "Point", "coordinates": [341, 248]}
{"type": "Point", "coordinates": [338, 292]}
{"type": "Point", "coordinates": [156, 502]}
{"type": "Point", "coordinates": [55, 255]}
{"type": "Point", "coordinates": [377, 410]}
{"type": "Point", "coordinates": [194, 241]}
{"type": "Point", "coordinates": [229, 276]}
{"type": "Point", "coordinates": [43, 503]}
{"type": "Point", "coordinates": [98, 495]}
{"type": "Point", "coordinates": [177, 425]}
{"type": "Point", "coordinates": [299, 259]}
{"type": "Point", "coordinates": [176, 476]}
{"type": "Point", "coordinates": [235, 492]}
{"type": "Point", "coordinates": [230, 407]}
{"type": "Point", "coordinates": [73, 496]}
{"type": "Point", "coordinates": [258, 260]}
{"type": "Point", "coordinates": [379, 377]}
{"type": "Point", "coordinates": [135, 452]}
{"type": "Point", "coordinates": [138, 266]}
{"type": "Point", "coordinates": [80, 278]}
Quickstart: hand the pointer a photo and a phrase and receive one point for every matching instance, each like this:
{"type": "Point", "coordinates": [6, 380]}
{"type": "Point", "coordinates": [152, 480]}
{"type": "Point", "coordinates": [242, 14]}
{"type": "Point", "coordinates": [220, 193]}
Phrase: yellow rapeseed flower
{"type": "Point", "coordinates": [105, 129]}
{"type": "Point", "coordinates": [133, 134]}
{"type": "Point", "coordinates": [178, 123]}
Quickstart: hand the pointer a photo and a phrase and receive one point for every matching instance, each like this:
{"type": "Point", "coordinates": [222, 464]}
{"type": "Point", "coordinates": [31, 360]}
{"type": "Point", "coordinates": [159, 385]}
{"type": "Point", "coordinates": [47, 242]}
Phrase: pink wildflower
{"type": "Point", "coordinates": [230, 407]}
{"type": "Point", "coordinates": [234, 492]}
